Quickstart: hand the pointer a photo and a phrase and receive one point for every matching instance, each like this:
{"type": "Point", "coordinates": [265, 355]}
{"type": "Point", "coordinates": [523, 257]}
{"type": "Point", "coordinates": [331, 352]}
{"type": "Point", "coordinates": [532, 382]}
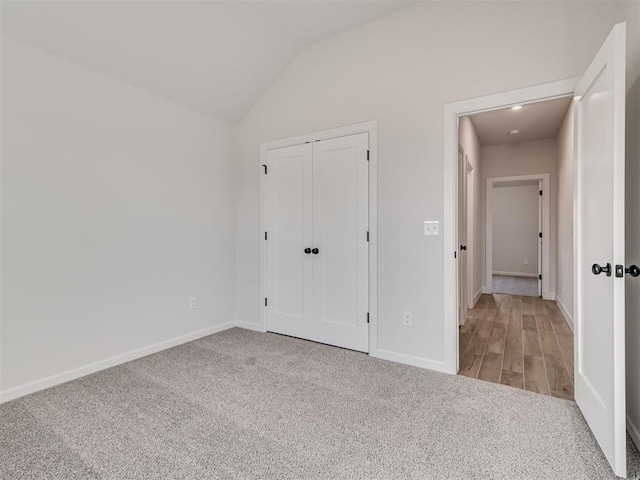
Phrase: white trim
{"type": "Point", "coordinates": [476, 297]}
{"type": "Point", "coordinates": [563, 310]}
{"type": "Point", "coordinates": [370, 127]}
{"type": "Point", "coordinates": [486, 290]}
{"type": "Point", "coordinates": [413, 361]}
{"type": "Point", "coordinates": [546, 213]}
{"type": "Point", "coordinates": [515, 274]}
{"type": "Point", "coordinates": [256, 327]}
{"type": "Point", "coordinates": [59, 378]}
{"type": "Point", "coordinates": [452, 111]}
{"type": "Point", "coordinates": [634, 432]}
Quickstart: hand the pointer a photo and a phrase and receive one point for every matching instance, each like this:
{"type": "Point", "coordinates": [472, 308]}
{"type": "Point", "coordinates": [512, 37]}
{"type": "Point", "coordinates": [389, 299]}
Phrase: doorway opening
{"type": "Point", "coordinates": [517, 254]}
{"type": "Point", "coordinates": [515, 198]}
{"type": "Point", "coordinates": [598, 196]}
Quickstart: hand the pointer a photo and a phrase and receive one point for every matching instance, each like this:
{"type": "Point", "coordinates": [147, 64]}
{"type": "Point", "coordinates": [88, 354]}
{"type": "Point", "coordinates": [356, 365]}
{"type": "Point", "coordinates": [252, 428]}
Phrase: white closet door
{"type": "Point", "coordinates": [289, 228]}
{"type": "Point", "coordinates": [340, 224]}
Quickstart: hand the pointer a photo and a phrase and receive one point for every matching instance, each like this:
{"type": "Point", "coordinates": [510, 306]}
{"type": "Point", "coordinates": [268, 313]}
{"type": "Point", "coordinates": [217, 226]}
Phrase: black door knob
{"type": "Point", "coordinates": [307, 250]}
{"type": "Point", "coordinates": [598, 269]}
{"type": "Point", "coordinates": [463, 247]}
{"type": "Point", "coordinates": [633, 270]}
{"type": "Point", "coordinates": [315, 251]}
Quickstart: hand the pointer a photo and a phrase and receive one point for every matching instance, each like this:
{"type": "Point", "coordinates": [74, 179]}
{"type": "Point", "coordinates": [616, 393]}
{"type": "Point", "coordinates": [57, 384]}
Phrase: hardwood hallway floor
{"type": "Point", "coordinates": [519, 341]}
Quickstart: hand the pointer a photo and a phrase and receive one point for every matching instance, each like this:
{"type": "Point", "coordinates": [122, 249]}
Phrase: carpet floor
{"type": "Point", "coordinates": [506, 284]}
{"type": "Point", "coordinates": [245, 405]}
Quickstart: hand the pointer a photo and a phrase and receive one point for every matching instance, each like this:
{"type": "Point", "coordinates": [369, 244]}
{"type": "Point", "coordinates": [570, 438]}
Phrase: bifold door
{"type": "Point", "coordinates": [317, 241]}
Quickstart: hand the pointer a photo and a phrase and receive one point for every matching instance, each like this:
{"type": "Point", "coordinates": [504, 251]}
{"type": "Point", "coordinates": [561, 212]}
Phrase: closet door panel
{"type": "Point", "coordinates": [340, 224]}
{"type": "Point", "coordinates": [289, 228]}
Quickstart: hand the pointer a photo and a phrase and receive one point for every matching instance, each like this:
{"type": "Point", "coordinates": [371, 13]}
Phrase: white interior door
{"type": "Point", "coordinates": [600, 301]}
{"type": "Point", "coordinates": [540, 239]}
{"type": "Point", "coordinates": [340, 226]}
{"type": "Point", "coordinates": [462, 238]}
{"type": "Point", "coordinates": [289, 230]}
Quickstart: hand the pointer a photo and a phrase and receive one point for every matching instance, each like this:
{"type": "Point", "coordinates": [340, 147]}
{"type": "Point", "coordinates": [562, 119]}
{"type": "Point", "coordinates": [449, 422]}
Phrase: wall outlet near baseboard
{"type": "Point", "coordinates": [407, 319]}
{"type": "Point", "coordinates": [193, 303]}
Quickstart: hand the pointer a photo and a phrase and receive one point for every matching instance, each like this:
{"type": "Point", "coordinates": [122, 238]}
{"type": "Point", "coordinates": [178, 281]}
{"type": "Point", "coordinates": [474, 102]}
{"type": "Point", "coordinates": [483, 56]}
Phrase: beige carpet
{"type": "Point", "coordinates": [245, 405]}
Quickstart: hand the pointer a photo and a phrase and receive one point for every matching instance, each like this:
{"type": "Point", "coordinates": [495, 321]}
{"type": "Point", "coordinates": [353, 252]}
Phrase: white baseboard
{"type": "Point", "coordinates": [411, 360]}
{"type": "Point", "coordinates": [516, 274]}
{"type": "Point", "coordinates": [57, 379]}
{"type": "Point", "coordinates": [476, 297]}
{"type": "Point", "coordinates": [250, 326]}
{"type": "Point", "coordinates": [549, 296]}
{"type": "Point", "coordinates": [486, 290]}
{"type": "Point", "coordinates": [634, 432]}
{"type": "Point", "coordinates": [565, 313]}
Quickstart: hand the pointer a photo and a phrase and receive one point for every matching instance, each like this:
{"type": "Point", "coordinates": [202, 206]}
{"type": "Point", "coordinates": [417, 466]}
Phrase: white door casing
{"type": "Point", "coordinates": [340, 232]}
{"type": "Point", "coordinates": [289, 213]}
{"type": "Point", "coordinates": [600, 239]}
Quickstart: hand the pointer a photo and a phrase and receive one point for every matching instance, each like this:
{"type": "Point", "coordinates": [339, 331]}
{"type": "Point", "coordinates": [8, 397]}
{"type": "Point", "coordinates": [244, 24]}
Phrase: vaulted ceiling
{"type": "Point", "coordinates": [217, 57]}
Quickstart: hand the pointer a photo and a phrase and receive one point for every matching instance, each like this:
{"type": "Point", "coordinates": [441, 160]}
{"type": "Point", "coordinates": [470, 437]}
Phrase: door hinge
{"type": "Point", "coordinates": [540, 192]}
{"type": "Point", "coordinates": [539, 277]}
{"type": "Point", "coordinates": [367, 155]}
{"type": "Point", "coordinates": [265, 169]}
{"type": "Point", "coordinates": [265, 235]}
{"type": "Point", "coordinates": [540, 234]}
{"type": "Point", "coordinates": [367, 317]}
{"type": "Point", "coordinates": [455, 254]}
{"type": "Point", "coordinates": [367, 235]}
{"type": "Point", "coordinates": [265, 301]}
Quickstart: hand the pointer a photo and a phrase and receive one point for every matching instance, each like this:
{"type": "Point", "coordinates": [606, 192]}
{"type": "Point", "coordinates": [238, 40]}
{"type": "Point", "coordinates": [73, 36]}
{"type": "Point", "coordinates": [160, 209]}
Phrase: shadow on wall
{"type": "Point", "coordinates": [633, 257]}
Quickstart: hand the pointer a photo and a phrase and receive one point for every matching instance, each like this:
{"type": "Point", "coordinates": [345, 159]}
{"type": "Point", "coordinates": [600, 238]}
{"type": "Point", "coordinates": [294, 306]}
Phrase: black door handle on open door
{"type": "Point", "coordinates": [315, 251]}
{"type": "Point", "coordinates": [307, 250]}
{"type": "Point", "coordinates": [633, 270]}
{"type": "Point", "coordinates": [597, 269]}
{"type": "Point", "coordinates": [463, 247]}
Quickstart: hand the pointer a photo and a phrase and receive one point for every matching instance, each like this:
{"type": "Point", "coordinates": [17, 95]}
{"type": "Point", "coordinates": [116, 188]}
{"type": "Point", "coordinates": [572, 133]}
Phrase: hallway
{"type": "Point", "coordinates": [523, 342]}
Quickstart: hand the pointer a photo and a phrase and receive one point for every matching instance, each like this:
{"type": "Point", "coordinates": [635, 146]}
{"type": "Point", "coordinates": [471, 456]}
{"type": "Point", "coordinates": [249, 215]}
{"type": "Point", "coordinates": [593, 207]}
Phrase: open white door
{"type": "Point", "coordinates": [599, 249]}
{"type": "Point", "coordinates": [540, 239]}
{"type": "Point", "coordinates": [462, 238]}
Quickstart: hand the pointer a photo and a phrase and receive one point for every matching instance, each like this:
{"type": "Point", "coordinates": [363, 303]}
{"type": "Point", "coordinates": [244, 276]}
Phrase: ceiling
{"type": "Point", "coordinates": [536, 121]}
{"type": "Point", "coordinates": [217, 57]}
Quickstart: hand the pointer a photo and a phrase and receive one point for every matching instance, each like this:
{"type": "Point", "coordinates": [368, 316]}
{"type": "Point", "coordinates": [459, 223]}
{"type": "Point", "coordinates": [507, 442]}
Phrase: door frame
{"type": "Point", "coordinates": [452, 111]}
{"type": "Point", "coordinates": [370, 127]}
{"type": "Point", "coordinates": [547, 294]}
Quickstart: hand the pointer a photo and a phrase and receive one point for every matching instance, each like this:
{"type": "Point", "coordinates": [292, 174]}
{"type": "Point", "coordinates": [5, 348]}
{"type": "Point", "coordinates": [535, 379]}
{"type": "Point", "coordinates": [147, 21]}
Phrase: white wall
{"type": "Point", "coordinates": [116, 207]}
{"type": "Point", "coordinates": [515, 223]}
{"type": "Point", "coordinates": [525, 158]}
{"type": "Point", "coordinates": [632, 193]}
{"type": "Point", "coordinates": [468, 138]}
{"type": "Point", "coordinates": [400, 70]}
{"type": "Point", "coordinates": [564, 272]}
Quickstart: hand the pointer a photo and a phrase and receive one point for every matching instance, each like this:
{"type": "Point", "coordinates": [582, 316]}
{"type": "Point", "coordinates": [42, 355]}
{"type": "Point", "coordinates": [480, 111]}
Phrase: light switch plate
{"type": "Point", "coordinates": [432, 228]}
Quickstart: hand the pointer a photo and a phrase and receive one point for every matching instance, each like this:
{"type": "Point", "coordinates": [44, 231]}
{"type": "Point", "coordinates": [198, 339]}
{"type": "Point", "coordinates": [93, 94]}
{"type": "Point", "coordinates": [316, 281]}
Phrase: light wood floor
{"type": "Point", "coordinates": [519, 341]}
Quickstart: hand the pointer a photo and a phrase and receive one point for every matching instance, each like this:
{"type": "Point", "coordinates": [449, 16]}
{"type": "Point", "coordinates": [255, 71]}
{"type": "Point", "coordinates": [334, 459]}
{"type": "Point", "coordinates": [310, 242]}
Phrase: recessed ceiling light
{"type": "Point", "coordinates": [513, 133]}
{"type": "Point", "coordinates": [516, 107]}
